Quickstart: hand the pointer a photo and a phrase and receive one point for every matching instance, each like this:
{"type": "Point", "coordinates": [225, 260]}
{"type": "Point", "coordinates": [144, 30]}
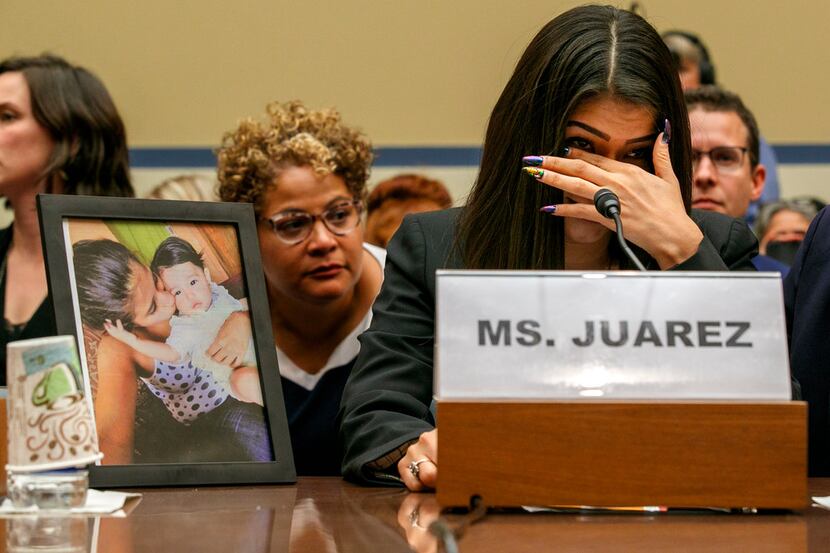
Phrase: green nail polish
{"type": "Point", "coordinates": [534, 172]}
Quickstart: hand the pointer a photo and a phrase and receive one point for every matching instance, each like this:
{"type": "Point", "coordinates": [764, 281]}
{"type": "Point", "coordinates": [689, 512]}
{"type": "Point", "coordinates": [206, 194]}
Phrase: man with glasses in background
{"type": "Point", "coordinates": [726, 173]}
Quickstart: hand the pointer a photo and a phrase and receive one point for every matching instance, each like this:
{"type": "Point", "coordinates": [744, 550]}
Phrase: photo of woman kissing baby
{"type": "Point", "coordinates": [167, 341]}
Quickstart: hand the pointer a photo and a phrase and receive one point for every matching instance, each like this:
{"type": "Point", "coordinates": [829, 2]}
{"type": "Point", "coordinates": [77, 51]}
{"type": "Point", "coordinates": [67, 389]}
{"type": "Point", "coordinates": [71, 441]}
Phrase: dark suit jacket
{"type": "Point", "coordinates": [387, 397]}
{"type": "Point", "coordinates": [807, 300]}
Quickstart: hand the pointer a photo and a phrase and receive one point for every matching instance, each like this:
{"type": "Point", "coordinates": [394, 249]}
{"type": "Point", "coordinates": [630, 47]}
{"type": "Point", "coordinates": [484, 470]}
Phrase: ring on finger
{"type": "Point", "coordinates": [414, 469]}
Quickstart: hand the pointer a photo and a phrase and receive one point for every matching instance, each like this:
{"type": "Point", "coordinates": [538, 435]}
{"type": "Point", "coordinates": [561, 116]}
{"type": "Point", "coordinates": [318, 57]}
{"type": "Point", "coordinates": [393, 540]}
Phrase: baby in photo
{"type": "Point", "coordinates": [202, 306]}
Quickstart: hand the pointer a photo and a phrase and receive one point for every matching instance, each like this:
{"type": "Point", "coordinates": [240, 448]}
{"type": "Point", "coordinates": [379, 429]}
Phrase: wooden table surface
{"type": "Point", "coordinates": [328, 515]}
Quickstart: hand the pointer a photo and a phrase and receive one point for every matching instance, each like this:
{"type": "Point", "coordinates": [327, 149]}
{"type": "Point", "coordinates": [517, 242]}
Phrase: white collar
{"type": "Point", "coordinates": [342, 354]}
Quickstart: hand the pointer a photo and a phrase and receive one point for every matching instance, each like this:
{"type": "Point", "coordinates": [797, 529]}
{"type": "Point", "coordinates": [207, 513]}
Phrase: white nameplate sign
{"type": "Point", "coordinates": [563, 334]}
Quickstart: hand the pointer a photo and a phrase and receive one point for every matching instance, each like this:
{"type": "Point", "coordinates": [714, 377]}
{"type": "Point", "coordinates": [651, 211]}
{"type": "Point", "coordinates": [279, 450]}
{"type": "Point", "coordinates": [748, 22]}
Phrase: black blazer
{"type": "Point", "coordinates": [386, 401]}
{"type": "Point", "coordinates": [807, 300]}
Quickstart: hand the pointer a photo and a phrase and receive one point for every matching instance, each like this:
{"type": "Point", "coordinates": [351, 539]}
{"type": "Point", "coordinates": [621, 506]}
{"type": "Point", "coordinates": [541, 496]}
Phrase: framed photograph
{"type": "Point", "coordinates": [168, 304]}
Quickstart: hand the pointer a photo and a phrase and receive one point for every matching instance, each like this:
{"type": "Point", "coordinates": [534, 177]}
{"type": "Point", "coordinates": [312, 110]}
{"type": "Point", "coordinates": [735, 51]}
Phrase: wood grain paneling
{"type": "Point", "coordinates": [616, 453]}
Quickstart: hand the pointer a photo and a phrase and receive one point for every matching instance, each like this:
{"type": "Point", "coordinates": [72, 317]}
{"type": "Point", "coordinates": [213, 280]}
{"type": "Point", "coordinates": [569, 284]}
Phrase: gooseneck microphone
{"type": "Point", "coordinates": [608, 205]}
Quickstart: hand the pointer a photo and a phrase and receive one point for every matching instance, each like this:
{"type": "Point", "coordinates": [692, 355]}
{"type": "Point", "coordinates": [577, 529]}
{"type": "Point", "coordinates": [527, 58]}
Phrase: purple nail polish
{"type": "Point", "coordinates": [534, 172]}
{"type": "Point", "coordinates": [565, 151]}
{"type": "Point", "coordinates": [548, 209]}
{"type": "Point", "coordinates": [666, 132]}
{"type": "Point", "coordinates": [533, 161]}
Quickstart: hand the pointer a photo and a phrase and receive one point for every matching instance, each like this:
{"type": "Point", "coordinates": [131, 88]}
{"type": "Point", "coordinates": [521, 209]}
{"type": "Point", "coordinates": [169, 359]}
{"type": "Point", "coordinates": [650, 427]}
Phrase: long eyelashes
{"type": "Point", "coordinates": [634, 155]}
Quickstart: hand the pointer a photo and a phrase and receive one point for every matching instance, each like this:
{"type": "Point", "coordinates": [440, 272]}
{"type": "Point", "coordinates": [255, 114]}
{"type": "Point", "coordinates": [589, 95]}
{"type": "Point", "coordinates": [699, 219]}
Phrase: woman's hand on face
{"type": "Point", "coordinates": [652, 208]}
{"type": "Point", "coordinates": [424, 452]}
{"type": "Point", "coordinates": [232, 340]}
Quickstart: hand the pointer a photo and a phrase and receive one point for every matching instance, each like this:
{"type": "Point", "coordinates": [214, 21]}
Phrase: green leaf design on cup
{"type": "Point", "coordinates": [57, 383]}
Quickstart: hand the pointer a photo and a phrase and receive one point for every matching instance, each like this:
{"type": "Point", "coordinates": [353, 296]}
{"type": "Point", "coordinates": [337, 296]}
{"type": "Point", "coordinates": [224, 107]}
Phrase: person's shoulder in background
{"type": "Point", "coordinates": [771, 192]}
{"type": "Point", "coordinates": [731, 238]}
{"type": "Point", "coordinates": [766, 263]}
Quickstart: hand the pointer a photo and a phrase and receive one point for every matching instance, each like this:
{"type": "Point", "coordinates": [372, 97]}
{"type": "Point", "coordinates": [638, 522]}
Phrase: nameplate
{"type": "Point", "coordinates": [563, 334]}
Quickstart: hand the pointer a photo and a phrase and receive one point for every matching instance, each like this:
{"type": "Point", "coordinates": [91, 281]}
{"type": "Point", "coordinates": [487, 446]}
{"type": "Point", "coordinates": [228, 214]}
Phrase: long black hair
{"type": "Point", "coordinates": [585, 52]}
{"type": "Point", "coordinates": [104, 279]}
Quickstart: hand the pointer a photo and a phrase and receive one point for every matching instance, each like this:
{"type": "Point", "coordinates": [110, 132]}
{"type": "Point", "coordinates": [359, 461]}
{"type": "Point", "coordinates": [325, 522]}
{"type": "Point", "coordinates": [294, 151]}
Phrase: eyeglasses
{"type": "Point", "coordinates": [293, 227]}
{"type": "Point", "coordinates": [727, 159]}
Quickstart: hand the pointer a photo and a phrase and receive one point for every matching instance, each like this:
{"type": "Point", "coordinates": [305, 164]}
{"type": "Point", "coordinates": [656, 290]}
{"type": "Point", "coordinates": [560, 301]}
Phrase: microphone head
{"type": "Point", "coordinates": [607, 203]}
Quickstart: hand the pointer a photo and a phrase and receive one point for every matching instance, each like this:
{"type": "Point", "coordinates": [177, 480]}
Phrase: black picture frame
{"type": "Point", "coordinates": [55, 210]}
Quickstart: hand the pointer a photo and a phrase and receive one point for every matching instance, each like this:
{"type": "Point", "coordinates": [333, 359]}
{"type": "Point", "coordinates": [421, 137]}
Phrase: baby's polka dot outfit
{"type": "Point", "coordinates": [185, 390]}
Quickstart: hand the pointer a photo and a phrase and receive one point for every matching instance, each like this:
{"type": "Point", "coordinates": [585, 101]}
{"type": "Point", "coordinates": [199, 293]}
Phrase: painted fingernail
{"type": "Point", "coordinates": [534, 172]}
{"type": "Point", "coordinates": [666, 132]}
{"type": "Point", "coordinates": [548, 209]}
{"type": "Point", "coordinates": [533, 161]}
{"type": "Point", "coordinates": [565, 151]}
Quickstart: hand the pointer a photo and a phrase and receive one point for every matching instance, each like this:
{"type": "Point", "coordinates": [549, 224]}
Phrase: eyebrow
{"type": "Point", "coordinates": [607, 137]}
{"type": "Point", "coordinates": [338, 200]}
{"type": "Point", "coordinates": [331, 203]}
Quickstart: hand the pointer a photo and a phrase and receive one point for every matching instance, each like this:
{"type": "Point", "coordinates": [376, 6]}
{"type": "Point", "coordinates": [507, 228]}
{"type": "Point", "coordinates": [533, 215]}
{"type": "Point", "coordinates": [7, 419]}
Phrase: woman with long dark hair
{"type": "Point", "coordinates": [60, 133]}
{"type": "Point", "coordinates": [594, 102]}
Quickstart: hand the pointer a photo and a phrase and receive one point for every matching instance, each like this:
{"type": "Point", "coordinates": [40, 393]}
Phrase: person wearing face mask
{"type": "Point", "coordinates": [305, 171]}
{"type": "Point", "coordinates": [781, 227]}
{"type": "Point", "coordinates": [726, 172]}
{"type": "Point", "coordinates": [60, 133]}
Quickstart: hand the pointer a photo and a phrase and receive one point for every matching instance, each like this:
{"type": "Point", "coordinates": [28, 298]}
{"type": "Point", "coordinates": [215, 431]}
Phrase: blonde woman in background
{"type": "Point", "coordinates": [197, 188]}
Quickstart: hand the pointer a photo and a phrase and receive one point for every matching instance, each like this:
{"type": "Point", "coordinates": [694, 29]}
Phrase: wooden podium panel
{"type": "Point", "coordinates": [623, 453]}
{"type": "Point", "coordinates": [643, 533]}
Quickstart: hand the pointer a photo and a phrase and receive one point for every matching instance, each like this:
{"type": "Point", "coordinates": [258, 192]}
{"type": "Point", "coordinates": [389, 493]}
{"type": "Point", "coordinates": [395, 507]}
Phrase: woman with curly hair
{"type": "Point", "coordinates": [305, 172]}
